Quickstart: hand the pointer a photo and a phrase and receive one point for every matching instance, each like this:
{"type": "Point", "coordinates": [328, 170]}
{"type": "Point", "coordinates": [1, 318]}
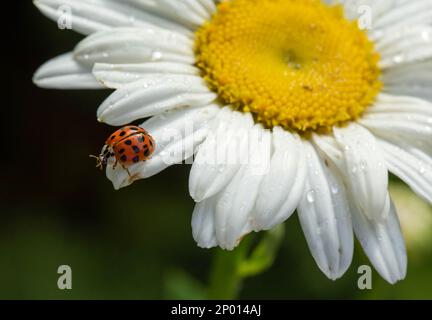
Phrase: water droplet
{"type": "Point", "coordinates": [354, 170]}
{"type": "Point", "coordinates": [426, 35]}
{"type": "Point", "coordinates": [334, 189]}
{"type": "Point", "coordinates": [363, 165]}
{"type": "Point", "coordinates": [156, 55]}
{"type": "Point", "coordinates": [86, 56]}
{"type": "Point", "coordinates": [422, 168]}
{"type": "Point", "coordinates": [399, 58]}
{"type": "Point", "coordinates": [310, 196]}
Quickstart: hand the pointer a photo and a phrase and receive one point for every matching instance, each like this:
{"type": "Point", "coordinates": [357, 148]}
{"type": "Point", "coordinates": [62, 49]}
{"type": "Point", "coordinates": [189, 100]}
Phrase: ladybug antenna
{"type": "Point", "coordinates": [99, 162]}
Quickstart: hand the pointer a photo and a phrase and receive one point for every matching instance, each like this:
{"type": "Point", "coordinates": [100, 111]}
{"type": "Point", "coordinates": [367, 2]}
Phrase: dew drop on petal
{"type": "Point", "coordinates": [334, 189]}
{"type": "Point", "coordinates": [426, 35]}
{"type": "Point", "coordinates": [363, 165]}
{"type": "Point", "coordinates": [399, 58]}
{"type": "Point", "coordinates": [310, 196]}
{"type": "Point", "coordinates": [156, 56]}
{"type": "Point", "coordinates": [422, 169]}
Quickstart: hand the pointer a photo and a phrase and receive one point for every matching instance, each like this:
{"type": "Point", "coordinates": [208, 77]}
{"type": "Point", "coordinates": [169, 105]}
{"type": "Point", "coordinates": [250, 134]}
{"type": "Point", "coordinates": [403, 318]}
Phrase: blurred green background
{"type": "Point", "coordinates": [56, 208]}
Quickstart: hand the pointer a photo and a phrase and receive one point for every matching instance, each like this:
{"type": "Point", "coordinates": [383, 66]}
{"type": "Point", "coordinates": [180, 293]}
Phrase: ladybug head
{"type": "Point", "coordinates": [102, 159]}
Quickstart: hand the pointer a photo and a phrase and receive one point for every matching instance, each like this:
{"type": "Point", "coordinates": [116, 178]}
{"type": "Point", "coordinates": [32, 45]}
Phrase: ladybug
{"type": "Point", "coordinates": [128, 146]}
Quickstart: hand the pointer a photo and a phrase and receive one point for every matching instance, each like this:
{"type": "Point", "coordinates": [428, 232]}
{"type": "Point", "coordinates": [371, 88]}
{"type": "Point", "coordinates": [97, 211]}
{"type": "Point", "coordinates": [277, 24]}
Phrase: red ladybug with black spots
{"type": "Point", "coordinates": [128, 146]}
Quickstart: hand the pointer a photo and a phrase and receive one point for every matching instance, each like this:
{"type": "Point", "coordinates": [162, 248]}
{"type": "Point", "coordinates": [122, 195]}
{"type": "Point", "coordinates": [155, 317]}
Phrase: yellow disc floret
{"type": "Point", "coordinates": [298, 64]}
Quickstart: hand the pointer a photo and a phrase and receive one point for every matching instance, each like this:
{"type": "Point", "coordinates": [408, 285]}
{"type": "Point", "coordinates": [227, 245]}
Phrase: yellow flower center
{"type": "Point", "coordinates": [298, 64]}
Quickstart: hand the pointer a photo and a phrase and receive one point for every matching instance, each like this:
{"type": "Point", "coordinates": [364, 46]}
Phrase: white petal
{"type": "Point", "coordinates": [415, 170]}
{"type": "Point", "coordinates": [236, 202]}
{"type": "Point", "coordinates": [406, 13]}
{"type": "Point", "coordinates": [383, 243]}
{"type": "Point", "coordinates": [353, 8]}
{"type": "Point", "coordinates": [282, 188]}
{"type": "Point", "coordinates": [118, 75]}
{"type": "Point", "coordinates": [191, 13]}
{"type": "Point", "coordinates": [64, 72]}
{"type": "Point", "coordinates": [148, 97]}
{"type": "Point", "coordinates": [404, 46]}
{"type": "Point", "coordinates": [219, 157]}
{"type": "Point", "coordinates": [325, 217]}
{"type": "Point", "coordinates": [89, 16]}
{"type": "Point", "coordinates": [135, 45]}
{"type": "Point", "coordinates": [177, 136]}
{"type": "Point", "coordinates": [365, 172]}
{"type": "Point", "coordinates": [401, 119]}
{"type": "Point", "coordinates": [203, 224]}
{"type": "Point", "coordinates": [413, 79]}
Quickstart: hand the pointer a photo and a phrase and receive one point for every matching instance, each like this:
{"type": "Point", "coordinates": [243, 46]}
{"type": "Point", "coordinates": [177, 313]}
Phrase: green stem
{"type": "Point", "coordinates": [225, 279]}
{"type": "Point", "coordinates": [230, 268]}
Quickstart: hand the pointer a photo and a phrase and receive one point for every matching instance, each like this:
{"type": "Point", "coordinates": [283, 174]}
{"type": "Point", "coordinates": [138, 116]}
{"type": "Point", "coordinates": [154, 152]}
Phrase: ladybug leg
{"type": "Point", "coordinates": [128, 172]}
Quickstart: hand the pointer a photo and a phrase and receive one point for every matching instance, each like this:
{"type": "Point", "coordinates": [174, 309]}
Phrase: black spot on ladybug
{"type": "Point", "coordinates": [146, 152]}
{"type": "Point", "coordinates": [128, 142]}
{"type": "Point", "coordinates": [123, 158]}
{"type": "Point", "coordinates": [136, 159]}
{"type": "Point", "coordinates": [151, 142]}
{"type": "Point", "coordinates": [113, 137]}
{"type": "Point", "coordinates": [134, 128]}
{"type": "Point", "coordinates": [141, 139]}
{"type": "Point", "coordinates": [122, 134]}
{"type": "Point", "coordinates": [136, 149]}
{"type": "Point", "coordinates": [121, 151]}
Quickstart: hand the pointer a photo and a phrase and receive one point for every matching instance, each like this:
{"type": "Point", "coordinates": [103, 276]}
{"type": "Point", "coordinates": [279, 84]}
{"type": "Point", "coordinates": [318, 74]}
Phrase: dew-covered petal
{"type": "Point", "coordinates": [397, 118]}
{"type": "Point", "coordinates": [364, 172]}
{"type": "Point", "coordinates": [190, 13]}
{"type": "Point", "coordinates": [325, 217]}
{"type": "Point", "coordinates": [118, 75]}
{"type": "Point", "coordinates": [413, 79]}
{"type": "Point", "coordinates": [203, 223]}
{"type": "Point", "coordinates": [405, 46]}
{"type": "Point", "coordinates": [220, 156]}
{"type": "Point", "coordinates": [148, 97]}
{"type": "Point", "coordinates": [412, 166]}
{"type": "Point", "coordinates": [135, 45]}
{"type": "Point", "coordinates": [405, 13]}
{"type": "Point", "coordinates": [383, 243]}
{"type": "Point", "coordinates": [282, 188]}
{"type": "Point", "coordinates": [89, 16]}
{"type": "Point", "coordinates": [64, 72]}
{"type": "Point", "coordinates": [236, 201]}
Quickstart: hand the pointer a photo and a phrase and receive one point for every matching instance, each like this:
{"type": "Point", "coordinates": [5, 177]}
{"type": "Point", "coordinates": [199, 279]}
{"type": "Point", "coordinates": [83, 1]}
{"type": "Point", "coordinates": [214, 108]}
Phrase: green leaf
{"type": "Point", "coordinates": [263, 255]}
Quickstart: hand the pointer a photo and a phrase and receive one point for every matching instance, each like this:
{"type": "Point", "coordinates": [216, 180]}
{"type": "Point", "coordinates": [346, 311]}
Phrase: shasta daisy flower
{"type": "Point", "coordinates": [286, 105]}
